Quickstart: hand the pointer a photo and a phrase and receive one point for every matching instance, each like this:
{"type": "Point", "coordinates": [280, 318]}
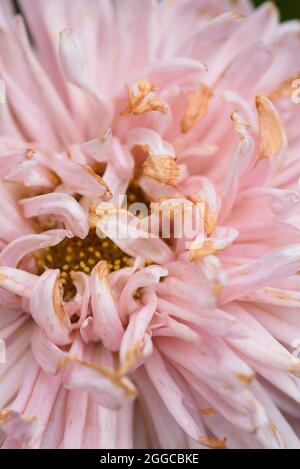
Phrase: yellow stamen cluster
{"type": "Point", "coordinates": [81, 255]}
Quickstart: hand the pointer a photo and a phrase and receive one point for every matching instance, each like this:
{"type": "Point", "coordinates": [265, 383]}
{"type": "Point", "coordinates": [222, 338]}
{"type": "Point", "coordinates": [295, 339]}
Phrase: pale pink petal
{"type": "Point", "coordinates": [46, 307]}
{"type": "Point", "coordinates": [17, 281]}
{"type": "Point", "coordinates": [63, 206]}
{"type": "Point", "coordinates": [12, 254]}
{"type": "Point", "coordinates": [146, 277]}
{"type": "Point", "coordinates": [134, 348]}
{"type": "Point", "coordinates": [107, 324]}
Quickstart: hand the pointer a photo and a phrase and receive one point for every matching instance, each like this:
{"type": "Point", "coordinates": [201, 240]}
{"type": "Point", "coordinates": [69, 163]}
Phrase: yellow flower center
{"type": "Point", "coordinates": [75, 254]}
{"type": "Point", "coordinates": [81, 255]}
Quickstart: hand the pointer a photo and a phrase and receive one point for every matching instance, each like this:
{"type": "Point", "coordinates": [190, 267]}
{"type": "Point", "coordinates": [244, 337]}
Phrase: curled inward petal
{"type": "Point", "coordinates": [61, 205]}
{"type": "Point", "coordinates": [20, 247]}
{"type": "Point", "coordinates": [47, 309]}
{"type": "Point", "coordinates": [107, 324]}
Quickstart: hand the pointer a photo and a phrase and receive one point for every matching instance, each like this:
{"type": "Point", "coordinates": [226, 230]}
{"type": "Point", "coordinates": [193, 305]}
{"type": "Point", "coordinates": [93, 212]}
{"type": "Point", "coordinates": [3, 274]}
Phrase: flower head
{"type": "Point", "coordinates": [121, 329]}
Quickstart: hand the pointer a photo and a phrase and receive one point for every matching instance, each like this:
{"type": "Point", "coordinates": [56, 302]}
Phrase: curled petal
{"type": "Point", "coordinates": [87, 331]}
{"type": "Point", "coordinates": [98, 149]}
{"type": "Point", "coordinates": [12, 224]}
{"type": "Point", "coordinates": [61, 205]}
{"type": "Point", "coordinates": [46, 353]}
{"type": "Point", "coordinates": [28, 170]}
{"type": "Point", "coordinates": [150, 141]}
{"type": "Point", "coordinates": [80, 178]}
{"type": "Point", "coordinates": [47, 309]}
{"type": "Point", "coordinates": [133, 349]}
{"type": "Point", "coordinates": [12, 254]}
{"type": "Point", "coordinates": [128, 232]}
{"type": "Point", "coordinates": [82, 299]}
{"type": "Point", "coordinates": [147, 277]}
{"type": "Point", "coordinates": [107, 324]}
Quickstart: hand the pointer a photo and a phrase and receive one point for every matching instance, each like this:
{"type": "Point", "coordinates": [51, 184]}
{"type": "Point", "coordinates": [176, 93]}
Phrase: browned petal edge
{"type": "Point", "coordinates": [239, 126]}
{"type": "Point", "coordinates": [197, 107]}
{"type": "Point", "coordinates": [161, 168]}
{"type": "Point", "coordinates": [280, 295]}
{"type": "Point", "coordinates": [210, 218]}
{"type": "Point", "coordinates": [247, 379]}
{"type": "Point", "coordinates": [132, 355]}
{"type": "Point", "coordinates": [284, 89]}
{"type": "Point", "coordinates": [4, 415]}
{"type": "Point", "coordinates": [113, 376]}
{"type": "Point", "coordinates": [107, 195]}
{"type": "Point", "coordinates": [139, 102]}
{"type": "Point", "coordinates": [210, 221]}
{"type": "Point", "coordinates": [29, 153]}
{"type": "Point", "coordinates": [95, 213]}
{"type": "Point", "coordinates": [271, 132]}
{"type": "Point", "coordinates": [207, 410]}
{"type": "Point", "coordinates": [102, 271]}
{"type": "Point", "coordinates": [217, 288]}
{"type": "Point", "coordinates": [3, 277]}
{"type": "Point", "coordinates": [214, 443]}
{"type": "Point", "coordinates": [57, 296]}
{"type": "Point", "coordinates": [93, 217]}
{"type": "Point", "coordinates": [206, 249]}
{"type": "Point", "coordinates": [103, 275]}
{"type": "Point", "coordinates": [295, 367]}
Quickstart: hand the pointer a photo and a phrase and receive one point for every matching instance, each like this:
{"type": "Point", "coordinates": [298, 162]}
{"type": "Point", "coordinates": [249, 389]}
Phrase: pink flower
{"type": "Point", "coordinates": [135, 341]}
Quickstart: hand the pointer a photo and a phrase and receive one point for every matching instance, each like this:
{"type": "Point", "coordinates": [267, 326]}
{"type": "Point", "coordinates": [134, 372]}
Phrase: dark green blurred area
{"type": "Point", "coordinates": [289, 8]}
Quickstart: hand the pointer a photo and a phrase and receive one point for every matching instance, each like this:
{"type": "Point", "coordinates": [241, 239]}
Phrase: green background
{"type": "Point", "coordinates": [289, 8]}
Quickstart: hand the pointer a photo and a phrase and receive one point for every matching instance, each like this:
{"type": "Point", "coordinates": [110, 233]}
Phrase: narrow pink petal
{"type": "Point", "coordinates": [107, 324]}
{"type": "Point", "coordinates": [17, 281]}
{"type": "Point", "coordinates": [12, 254]}
{"type": "Point", "coordinates": [147, 277]}
{"type": "Point", "coordinates": [46, 353]}
{"type": "Point", "coordinates": [133, 348]}
{"type": "Point", "coordinates": [46, 308]}
{"type": "Point", "coordinates": [63, 206]}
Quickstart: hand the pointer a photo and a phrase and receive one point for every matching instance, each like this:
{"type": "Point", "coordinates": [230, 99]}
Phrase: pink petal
{"type": "Point", "coordinates": [46, 308]}
{"type": "Point", "coordinates": [63, 206]}
{"type": "Point", "coordinates": [107, 324]}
